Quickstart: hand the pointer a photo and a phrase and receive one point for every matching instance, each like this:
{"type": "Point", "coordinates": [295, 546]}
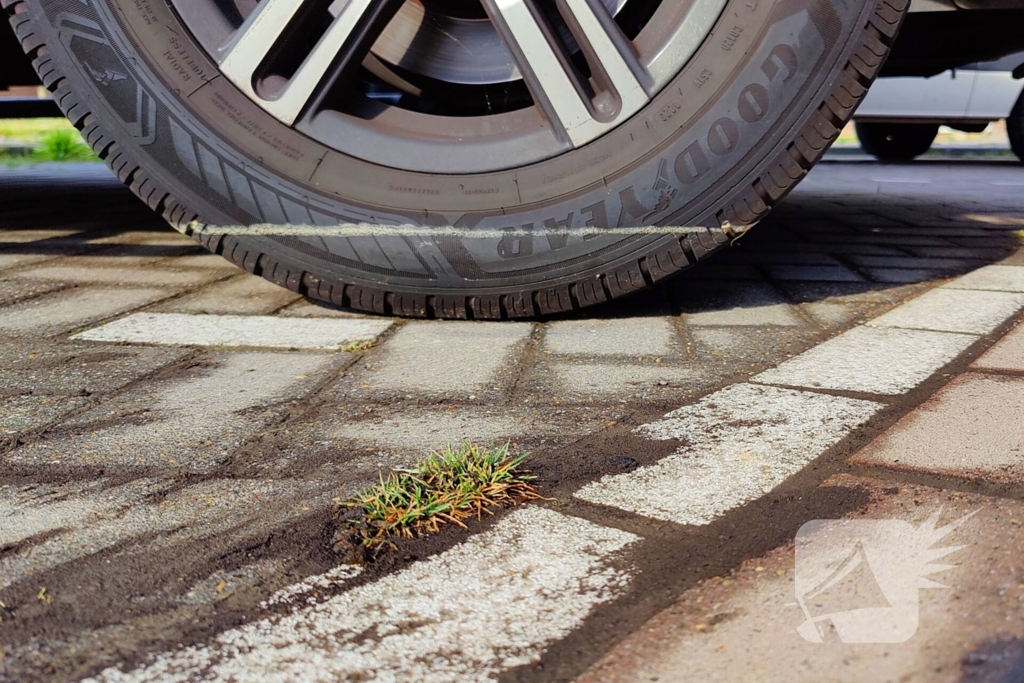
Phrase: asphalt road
{"type": "Point", "coordinates": [173, 433]}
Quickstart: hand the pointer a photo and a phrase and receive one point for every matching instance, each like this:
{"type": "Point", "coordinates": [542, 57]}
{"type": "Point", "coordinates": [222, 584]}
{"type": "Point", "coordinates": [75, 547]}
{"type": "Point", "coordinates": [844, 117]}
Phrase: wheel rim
{"type": "Point", "coordinates": [451, 86]}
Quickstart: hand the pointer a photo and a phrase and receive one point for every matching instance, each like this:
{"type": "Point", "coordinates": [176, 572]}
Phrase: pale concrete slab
{"type": "Point", "coordinates": [307, 308]}
{"type": "Point", "coordinates": [446, 358]}
{"type": "Point", "coordinates": [118, 276]}
{"type": "Point", "coordinates": [243, 295]}
{"type": "Point", "coordinates": [191, 423]}
{"type": "Point", "coordinates": [630, 337]}
{"type": "Point", "coordinates": [12, 291]}
{"type": "Point", "coordinates": [65, 311]}
{"type": "Point", "coordinates": [1000, 278]}
{"type": "Point", "coordinates": [953, 310]}
{"type": "Point", "coordinates": [873, 360]}
{"type": "Point", "coordinates": [236, 330]}
{"type": "Point", "coordinates": [14, 260]}
{"type": "Point", "coordinates": [182, 517]}
{"type": "Point", "coordinates": [973, 428]}
{"type": "Point", "coordinates": [814, 273]}
{"type": "Point", "coordinates": [741, 442]}
{"type": "Point", "coordinates": [743, 627]}
{"type": "Point", "coordinates": [27, 236]}
{"type": "Point", "coordinates": [495, 602]}
{"type": "Point", "coordinates": [1008, 354]}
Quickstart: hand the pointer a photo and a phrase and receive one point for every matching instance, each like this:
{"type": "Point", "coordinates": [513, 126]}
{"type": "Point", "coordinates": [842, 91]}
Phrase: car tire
{"type": "Point", "coordinates": [746, 117]}
{"type": "Point", "coordinates": [896, 142]}
{"type": "Point", "coordinates": [1015, 128]}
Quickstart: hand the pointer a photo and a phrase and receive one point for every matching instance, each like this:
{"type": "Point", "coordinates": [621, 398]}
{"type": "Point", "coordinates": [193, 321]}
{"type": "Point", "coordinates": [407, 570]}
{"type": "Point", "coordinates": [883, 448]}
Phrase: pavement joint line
{"type": "Point", "coordinates": [182, 329]}
{"type": "Point", "coordinates": [540, 573]}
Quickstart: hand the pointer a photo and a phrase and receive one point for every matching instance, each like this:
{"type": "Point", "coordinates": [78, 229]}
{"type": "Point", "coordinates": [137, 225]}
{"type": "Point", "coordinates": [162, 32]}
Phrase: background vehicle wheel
{"type": "Point", "coordinates": [510, 152]}
{"type": "Point", "coordinates": [1015, 128]}
{"type": "Point", "coordinates": [896, 141]}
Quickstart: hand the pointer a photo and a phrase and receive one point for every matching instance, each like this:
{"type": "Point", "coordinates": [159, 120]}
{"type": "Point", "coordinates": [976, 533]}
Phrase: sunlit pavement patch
{"type": "Point", "coordinates": [741, 442]}
{"type": "Point", "coordinates": [872, 360]}
{"type": "Point", "coordinates": [953, 310]}
{"type": "Point", "coordinates": [490, 604]}
{"type": "Point", "coordinates": [237, 330]}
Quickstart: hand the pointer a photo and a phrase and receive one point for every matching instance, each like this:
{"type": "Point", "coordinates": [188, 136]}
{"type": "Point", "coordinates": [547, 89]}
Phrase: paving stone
{"type": "Point", "coordinates": [181, 518]}
{"type": "Point", "coordinates": [27, 236]}
{"type": "Point", "coordinates": [903, 276]}
{"type": "Point", "coordinates": [63, 311]}
{"type": "Point", "coordinates": [904, 262]}
{"type": "Point", "coordinates": [33, 367]}
{"type": "Point", "coordinates": [735, 304]}
{"type": "Point", "coordinates": [740, 443]}
{"type": "Point", "coordinates": [974, 428]}
{"type": "Point", "coordinates": [595, 382]}
{"type": "Point", "coordinates": [236, 330]}
{"type": "Point", "coordinates": [204, 259]}
{"type": "Point", "coordinates": [814, 273]}
{"type": "Point", "coordinates": [415, 430]}
{"type": "Point", "coordinates": [150, 237]}
{"type": "Point", "coordinates": [308, 308]}
{"type": "Point", "coordinates": [953, 310]}
{"type": "Point", "coordinates": [16, 290]}
{"type": "Point", "coordinates": [540, 573]}
{"type": "Point", "coordinates": [447, 358]}
{"type": "Point", "coordinates": [24, 413]}
{"type": "Point", "coordinates": [831, 314]}
{"type": "Point", "coordinates": [871, 360]}
{"type": "Point", "coordinates": [1008, 354]}
{"type": "Point", "coordinates": [14, 260]}
{"type": "Point", "coordinates": [191, 423]}
{"type": "Point", "coordinates": [244, 295]}
{"type": "Point", "coordinates": [118, 276]}
{"type": "Point", "coordinates": [743, 627]}
{"type": "Point", "coordinates": [1001, 278]}
{"type": "Point", "coordinates": [631, 337]}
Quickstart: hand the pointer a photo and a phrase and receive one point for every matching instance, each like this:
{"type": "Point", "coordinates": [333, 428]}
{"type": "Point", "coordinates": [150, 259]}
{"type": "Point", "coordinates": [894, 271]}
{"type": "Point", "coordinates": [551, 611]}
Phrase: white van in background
{"type": "Point", "coordinates": [900, 117]}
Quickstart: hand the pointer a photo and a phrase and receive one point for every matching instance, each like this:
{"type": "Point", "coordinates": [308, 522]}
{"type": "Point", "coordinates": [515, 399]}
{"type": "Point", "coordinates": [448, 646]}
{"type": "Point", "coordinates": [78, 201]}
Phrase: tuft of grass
{"type": "Point", "coordinates": [448, 487]}
{"type": "Point", "coordinates": [63, 145]}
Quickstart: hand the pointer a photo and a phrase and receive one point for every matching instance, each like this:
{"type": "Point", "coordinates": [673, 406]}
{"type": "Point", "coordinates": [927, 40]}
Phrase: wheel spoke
{"type": "Point", "coordinates": [580, 109]}
{"type": "Point", "coordinates": [355, 25]}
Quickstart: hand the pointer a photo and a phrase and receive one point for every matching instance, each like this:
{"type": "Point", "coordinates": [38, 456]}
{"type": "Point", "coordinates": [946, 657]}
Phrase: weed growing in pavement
{"type": "Point", "coordinates": [63, 145]}
{"type": "Point", "coordinates": [453, 485]}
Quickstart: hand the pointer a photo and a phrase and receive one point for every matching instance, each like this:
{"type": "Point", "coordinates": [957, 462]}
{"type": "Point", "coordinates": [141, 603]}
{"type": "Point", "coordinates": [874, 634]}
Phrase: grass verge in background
{"type": "Point", "coordinates": [28, 141]}
{"type": "Point", "coordinates": [63, 145]}
{"type": "Point", "coordinates": [453, 485]}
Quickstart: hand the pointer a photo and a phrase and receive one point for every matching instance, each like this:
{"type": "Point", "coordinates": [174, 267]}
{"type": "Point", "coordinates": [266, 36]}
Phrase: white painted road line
{"type": "Point", "coordinates": [741, 442]}
{"type": "Point", "coordinates": [494, 602]}
{"type": "Point", "coordinates": [953, 310]}
{"type": "Point", "coordinates": [874, 360]}
{"type": "Point", "coordinates": [995, 278]}
{"type": "Point", "coordinates": [180, 329]}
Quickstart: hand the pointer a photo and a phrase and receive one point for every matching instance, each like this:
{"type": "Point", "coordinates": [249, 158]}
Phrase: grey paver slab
{"type": "Point", "coordinates": [31, 366]}
{"type": "Point", "coordinates": [742, 304]}
{"type": "Point", "coordinates": [870, 359]}
{"type": "Point", "coordinates": [743, 627]}
{"type": "Point", "coordinates": [244, 295]}
{"type": "Point", "coordinates": [184, 516]}
{"type": "Point", "coordinates": [974, 427]}
{"type": "Point", "coordinates": [814, 273]}
{"type": "Point", "coordinates": [236, 330]}
{"type": "Point", "coordinates": [64, 311]}
{"type": "Point", "coordinates": [22, 413]}
{"type": "Point", "coordinates": [446, 358]}
{"type": "Point", "coordinates": [189, 423]}
{"type": "Point", "coordinates": [1008, 354]}
{"type": "Point", "coordinates": [1002, 278]}
{"type": "Point", "coordinates": [740, 443]}
{"type": "Point", "coordinates": [630, 337]}
{"type": "Point", "coordinates": [118, 276]}
{"type": "Point", "coordinates": [953, 310]}
{"type": "Point", "coordinates": [590, 381]}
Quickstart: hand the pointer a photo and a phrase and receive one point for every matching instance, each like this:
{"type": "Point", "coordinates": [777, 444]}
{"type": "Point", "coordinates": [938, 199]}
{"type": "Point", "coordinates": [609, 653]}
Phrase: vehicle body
{"type": "Point", "coordinates": [476, 158]}
{"type": "Point", "coordinates": [905, 112]}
